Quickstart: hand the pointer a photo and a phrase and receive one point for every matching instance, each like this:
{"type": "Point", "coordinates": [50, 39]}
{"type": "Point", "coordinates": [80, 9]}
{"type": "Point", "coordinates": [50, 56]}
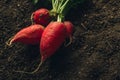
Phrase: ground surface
{"type": "Point", "coordinates": [93, 55]}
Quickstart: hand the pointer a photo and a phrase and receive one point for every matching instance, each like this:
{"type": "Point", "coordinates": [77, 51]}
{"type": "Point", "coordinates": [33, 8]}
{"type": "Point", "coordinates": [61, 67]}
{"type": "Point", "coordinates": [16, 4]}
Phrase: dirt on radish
{"type": "Point", "coordinates": [94, 53]}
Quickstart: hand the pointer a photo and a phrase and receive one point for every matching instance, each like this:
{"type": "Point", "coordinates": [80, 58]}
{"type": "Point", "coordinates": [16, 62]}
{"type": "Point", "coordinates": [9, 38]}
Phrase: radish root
{"type": "Point", "coordinates": [32, 18]}
{"type": "Point", "coordinates": [9, 42]}
{"type": "Point", "coordinates": [70, 41]}
{"type": "Point", "coordinates": [33, 72]}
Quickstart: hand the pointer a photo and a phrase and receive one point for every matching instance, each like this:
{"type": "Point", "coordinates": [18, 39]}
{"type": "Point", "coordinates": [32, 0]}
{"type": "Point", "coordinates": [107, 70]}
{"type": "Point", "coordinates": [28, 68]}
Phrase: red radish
{"type": "Point", "coordinates": [69, 28]}
{"type": "Point", "coordinates": [29, 35]}
{"type": "Point", "coordinates": [52, 38]}
{"type": "Point", "coordinates": [41, 16]}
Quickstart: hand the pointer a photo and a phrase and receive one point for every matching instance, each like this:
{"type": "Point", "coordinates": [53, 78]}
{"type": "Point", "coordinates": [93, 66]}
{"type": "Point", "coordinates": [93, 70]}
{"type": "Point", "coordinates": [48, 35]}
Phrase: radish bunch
{"type": "Point", "coordinates": [49, 34]}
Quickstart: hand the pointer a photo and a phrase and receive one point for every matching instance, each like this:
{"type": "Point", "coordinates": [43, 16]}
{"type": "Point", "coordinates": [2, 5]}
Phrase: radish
{"type": "Point", "coordinates": [52, 38]}
{"type": "Point", "coordinates": [41, 16]}
{"type": "Point", "coordinates": [69, 28]}
{"type": "Point", "coordinates": [29, 35]}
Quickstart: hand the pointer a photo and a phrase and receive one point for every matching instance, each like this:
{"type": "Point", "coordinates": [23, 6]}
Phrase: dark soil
{"type": "Point", "coordinates": [93, 55]}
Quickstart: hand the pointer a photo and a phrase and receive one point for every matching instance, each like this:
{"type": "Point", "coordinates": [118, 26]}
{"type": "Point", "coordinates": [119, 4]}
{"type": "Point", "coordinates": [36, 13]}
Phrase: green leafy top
{"type": "Point", "coordinates": [61, 7]}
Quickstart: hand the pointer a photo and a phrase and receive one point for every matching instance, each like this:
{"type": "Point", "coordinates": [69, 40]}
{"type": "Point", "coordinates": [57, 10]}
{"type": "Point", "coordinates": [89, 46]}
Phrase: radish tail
{"type": "Point", "coordinates": [70, 41]}
{"type": "Point", "coordinates": [9, 42]}
{"type": "Point", "coordinates": [33, 72]}
{"type": "Point", "coordinates": [32, 18]}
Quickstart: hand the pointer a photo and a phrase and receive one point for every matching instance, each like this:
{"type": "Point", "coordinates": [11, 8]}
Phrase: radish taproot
{"type": "Point", "coordinates": [29, 35]}
{"type": "Point", "coordinates": [69, 28]}
{"type": "Point", "coordinates": [41, 16]}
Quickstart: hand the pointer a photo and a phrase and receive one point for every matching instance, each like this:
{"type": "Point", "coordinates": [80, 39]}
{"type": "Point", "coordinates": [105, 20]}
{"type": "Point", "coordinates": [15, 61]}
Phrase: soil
{"type": "Point", "coordinates": [93, 55]}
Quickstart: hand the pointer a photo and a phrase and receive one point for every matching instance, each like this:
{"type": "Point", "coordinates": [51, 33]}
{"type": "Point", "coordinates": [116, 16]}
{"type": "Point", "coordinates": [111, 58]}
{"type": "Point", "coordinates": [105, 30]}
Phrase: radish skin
{"type": "Point", "coordinates": [29, 35]}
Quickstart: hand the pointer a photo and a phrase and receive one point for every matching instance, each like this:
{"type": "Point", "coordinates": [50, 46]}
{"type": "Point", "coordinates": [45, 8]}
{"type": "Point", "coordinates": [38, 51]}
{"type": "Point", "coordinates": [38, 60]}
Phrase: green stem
{"type": "Point", "coordinates": [60, 4]}
{"type": "Point", "coordinates": [57, 3]}
{"type": "Point", "coordinates": [63, 6]}
{"type": "Point", "coordinates": [53, 4]}
{"type": "Point", "coordinates": [59, 19]}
